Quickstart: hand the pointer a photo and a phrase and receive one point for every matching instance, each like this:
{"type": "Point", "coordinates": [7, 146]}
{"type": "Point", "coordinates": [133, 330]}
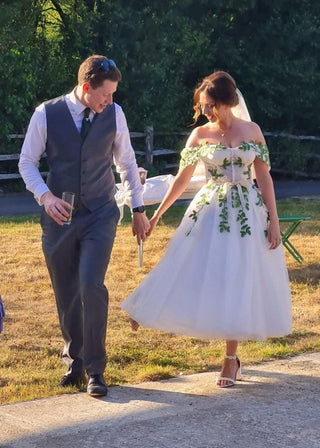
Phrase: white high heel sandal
{"type": "Point", "coordinates": [237, 375]}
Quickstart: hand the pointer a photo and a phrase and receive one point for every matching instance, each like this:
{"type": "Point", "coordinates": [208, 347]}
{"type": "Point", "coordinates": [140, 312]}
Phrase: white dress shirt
{"type": "Point", "coordinates": [34, 146]}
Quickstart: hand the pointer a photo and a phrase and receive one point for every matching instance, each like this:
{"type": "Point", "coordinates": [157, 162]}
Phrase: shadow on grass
{"type": "Point", "coordinates": [291, 339]}
{"type": "Point", "coordinates": [309, 274]}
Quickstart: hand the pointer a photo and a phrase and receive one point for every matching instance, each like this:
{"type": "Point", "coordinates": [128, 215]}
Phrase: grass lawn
{"type": "Point", "coordinates": [30, 345]}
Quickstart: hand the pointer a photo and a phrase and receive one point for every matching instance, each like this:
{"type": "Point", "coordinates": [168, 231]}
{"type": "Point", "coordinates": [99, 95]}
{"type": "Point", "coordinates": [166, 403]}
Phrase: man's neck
{"type": "Point", "coordinates": [78, 92]}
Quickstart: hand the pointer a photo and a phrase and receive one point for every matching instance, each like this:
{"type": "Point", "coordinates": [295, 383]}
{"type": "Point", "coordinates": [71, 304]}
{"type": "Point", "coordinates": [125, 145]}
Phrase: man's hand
{"type": "Point", "coordinates": [55, 207]}
{"type": "Point", "coordinates": [140, 226]}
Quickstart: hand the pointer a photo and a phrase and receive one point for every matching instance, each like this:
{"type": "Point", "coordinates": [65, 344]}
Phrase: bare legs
{"type": "Point", "coordinates": [230, 366]}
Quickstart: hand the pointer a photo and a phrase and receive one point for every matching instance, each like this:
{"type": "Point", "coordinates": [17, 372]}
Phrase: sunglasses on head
{"type": "Point", "coordinates": [105, 66]}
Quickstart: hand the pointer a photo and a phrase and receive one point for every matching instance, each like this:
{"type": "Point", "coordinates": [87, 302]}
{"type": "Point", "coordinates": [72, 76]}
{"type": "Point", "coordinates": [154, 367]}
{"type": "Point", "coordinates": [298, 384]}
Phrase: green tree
{"type": "Point", "coordinates": [278, 64]}
{"type": "Point", "coordinates": [163, 50]}
{"type": "Point", "coordinates": [17, 61]}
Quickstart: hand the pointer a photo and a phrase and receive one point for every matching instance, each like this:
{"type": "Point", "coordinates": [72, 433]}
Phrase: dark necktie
{"type": "Point", "coordinates": [85, 123]}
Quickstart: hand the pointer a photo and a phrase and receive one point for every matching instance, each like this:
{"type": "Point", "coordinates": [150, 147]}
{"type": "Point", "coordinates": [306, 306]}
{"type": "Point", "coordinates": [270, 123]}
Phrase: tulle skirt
{"type": "Point", "coordinates": [212, 284]}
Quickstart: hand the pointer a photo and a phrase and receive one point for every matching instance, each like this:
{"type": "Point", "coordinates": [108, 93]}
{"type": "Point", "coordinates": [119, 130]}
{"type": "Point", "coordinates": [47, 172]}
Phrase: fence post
{"type": "Point", "coordinates": [149, 145]}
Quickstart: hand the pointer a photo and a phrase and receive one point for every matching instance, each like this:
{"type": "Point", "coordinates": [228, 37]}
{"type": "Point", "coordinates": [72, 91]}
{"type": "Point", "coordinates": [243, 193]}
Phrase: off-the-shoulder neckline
{"type": "Point", "coordinates": [221, 146]}
{"type": "Point", "coordinates": [231, 147]}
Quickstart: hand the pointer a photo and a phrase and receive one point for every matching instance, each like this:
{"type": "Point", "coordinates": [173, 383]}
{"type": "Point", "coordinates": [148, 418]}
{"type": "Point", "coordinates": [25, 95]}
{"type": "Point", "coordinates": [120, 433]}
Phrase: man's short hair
{"type": "Point", "coordinates": [96, 69]}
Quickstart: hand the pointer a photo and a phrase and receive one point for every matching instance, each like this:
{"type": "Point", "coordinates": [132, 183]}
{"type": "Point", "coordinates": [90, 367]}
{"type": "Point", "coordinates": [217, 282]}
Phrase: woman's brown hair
{"type": "Point", "coordinates": [221, 87]}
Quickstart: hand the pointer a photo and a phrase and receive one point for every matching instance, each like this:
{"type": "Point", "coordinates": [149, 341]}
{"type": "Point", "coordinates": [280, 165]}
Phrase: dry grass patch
{"type": "Point", "coordinates": [31, 343]}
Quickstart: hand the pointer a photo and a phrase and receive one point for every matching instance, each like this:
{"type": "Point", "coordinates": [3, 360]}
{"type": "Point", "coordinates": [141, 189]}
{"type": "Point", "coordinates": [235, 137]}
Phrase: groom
{"type": "Point", "coordinates": [83, 133]}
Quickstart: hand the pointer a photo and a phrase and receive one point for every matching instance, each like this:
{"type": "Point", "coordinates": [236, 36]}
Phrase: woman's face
{"type": "Point", "coordinates": [207, 104]}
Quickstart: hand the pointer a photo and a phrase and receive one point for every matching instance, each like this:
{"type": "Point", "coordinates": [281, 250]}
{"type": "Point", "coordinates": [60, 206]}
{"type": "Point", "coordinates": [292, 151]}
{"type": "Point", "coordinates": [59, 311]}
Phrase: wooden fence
{"type": "Point", "coordinates": [149, 153]}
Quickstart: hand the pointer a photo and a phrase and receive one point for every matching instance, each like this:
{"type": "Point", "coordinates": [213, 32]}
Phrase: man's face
{"type": "Point", "coordinates": [101, 97]}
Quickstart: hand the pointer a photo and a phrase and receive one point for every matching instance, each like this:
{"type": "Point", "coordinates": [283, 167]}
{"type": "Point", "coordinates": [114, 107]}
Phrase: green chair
{"type": "Point", "coordinates": [294, 222]}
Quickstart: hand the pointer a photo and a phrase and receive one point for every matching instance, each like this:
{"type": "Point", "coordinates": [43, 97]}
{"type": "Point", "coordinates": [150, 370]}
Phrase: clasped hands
{"type": "Point", "coordinates": [142, 227]}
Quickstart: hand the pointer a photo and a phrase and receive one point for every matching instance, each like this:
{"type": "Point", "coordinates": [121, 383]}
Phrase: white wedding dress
{"type": "Point", "coordinates": [218, 277]}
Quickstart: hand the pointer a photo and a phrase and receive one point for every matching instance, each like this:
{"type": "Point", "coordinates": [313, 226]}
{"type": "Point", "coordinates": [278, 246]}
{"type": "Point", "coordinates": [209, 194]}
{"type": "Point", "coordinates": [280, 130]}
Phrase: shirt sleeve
{"type": "Point", "coordinates": [125, 160]}
{"type": "Point", "coordinates": [32, 149]}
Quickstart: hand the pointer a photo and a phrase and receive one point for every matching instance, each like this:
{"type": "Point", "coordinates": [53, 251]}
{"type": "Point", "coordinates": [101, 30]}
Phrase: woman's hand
{"type": "Point", "coordinates": [274, 235]}
{"type": "Point", "coordinates": [153, 222]}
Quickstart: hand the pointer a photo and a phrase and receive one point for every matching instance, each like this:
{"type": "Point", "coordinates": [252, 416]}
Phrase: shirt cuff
{"type": "Point", "coordinates": [137, 201]}
{"type": "Point", "coordinates": [41, 190]}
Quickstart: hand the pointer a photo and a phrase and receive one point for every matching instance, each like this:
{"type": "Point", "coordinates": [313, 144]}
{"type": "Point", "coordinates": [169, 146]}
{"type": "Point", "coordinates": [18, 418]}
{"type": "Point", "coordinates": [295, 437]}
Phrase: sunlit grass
{"type": "Point", "coordinates": [30, 345]}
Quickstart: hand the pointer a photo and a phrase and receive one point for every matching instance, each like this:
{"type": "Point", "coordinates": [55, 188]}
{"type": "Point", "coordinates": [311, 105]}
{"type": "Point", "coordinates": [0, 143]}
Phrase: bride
{"type": "Point", "coordinates": [223, 274]}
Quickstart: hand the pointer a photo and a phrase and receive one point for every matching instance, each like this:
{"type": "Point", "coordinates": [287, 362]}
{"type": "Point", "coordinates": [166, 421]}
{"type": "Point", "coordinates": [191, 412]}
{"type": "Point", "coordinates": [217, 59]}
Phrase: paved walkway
{"type": "Point", "coordinates": [24, 203]}
{"type": "Point", "coordinates": [276, 406]}
{"type": "Point", "coordinates": [289, 189]}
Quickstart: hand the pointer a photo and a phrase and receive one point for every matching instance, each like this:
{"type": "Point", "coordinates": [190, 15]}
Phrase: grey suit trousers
{"type": "Point", "coordinates": [77, 257]}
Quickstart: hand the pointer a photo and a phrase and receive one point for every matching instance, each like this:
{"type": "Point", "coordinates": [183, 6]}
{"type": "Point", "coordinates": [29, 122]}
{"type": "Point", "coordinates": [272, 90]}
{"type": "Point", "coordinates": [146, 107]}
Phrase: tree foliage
{"type": "Point", "coordinates": [163, 50]}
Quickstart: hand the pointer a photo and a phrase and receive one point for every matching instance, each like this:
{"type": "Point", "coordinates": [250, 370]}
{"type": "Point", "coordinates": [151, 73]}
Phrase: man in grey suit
{"type": "Point", "coordinates": [83, 134]}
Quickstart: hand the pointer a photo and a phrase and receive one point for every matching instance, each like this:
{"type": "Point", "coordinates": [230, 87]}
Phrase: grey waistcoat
{"type": "Point", "coordinates": [84, 167]}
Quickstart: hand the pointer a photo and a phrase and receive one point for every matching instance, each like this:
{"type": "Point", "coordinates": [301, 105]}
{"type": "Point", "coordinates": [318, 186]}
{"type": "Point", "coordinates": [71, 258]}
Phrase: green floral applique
{"type": "Point", "coordinates": [222, 198]}
{"type": "Point", "coordinates": [237, 203]}
{"type": "Point", "coordinates": [193, 154]}
{"type": "Point", "coordinates": [203, 200]}
{"type": "Point", "coordinates": [245, 228]}
{"type": "Point", "coordinates": [247, 172]}
{"type": "Point", "coordinates": [190, 156]}
{"type": "Point", "coordinates": [225, 163]}
{"type": "Point", "coordinates": [262, 152]}
{"type": "Point", "coordinates": [219, 147]}
{"type": "Point", "coordinates": [244, 146]}
{"type": "Point", "coordinates": [236, 200]}
{"type": "Point", "coordinates": [259, 202]}
{"type": "Point", "coordinates": [215, 173]}
{"type": "Point", "coordinates": [268, 220]}
{"type": "Point", "coordinates": [238, 162]}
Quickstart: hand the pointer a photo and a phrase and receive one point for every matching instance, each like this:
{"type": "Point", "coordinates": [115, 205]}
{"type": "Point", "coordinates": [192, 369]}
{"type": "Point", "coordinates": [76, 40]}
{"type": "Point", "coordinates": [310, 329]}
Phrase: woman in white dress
{"type": "Point", "coordinates": [223, 274]}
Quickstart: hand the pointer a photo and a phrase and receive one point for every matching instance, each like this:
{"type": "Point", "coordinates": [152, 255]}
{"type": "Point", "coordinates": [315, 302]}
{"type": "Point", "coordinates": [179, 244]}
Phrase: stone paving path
{"type": "Point", "coordinates": [276, 406]}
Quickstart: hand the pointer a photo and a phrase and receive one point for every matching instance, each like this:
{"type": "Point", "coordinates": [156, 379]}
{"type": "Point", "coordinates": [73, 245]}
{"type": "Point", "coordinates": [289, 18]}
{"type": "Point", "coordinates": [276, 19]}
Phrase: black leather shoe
{"type": "Point", "coordinates": [72, 380]}
{"type": "Point", "coordinates": [97, 386]}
